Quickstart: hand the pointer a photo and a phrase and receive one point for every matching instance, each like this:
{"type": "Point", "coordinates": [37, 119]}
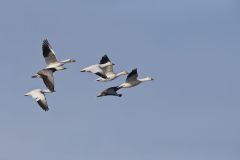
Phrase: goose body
{"type": "Point", "coordinates": [98, 69]}
{"type": "Point", "coordinates": [47, 77]}
{"type": "Point", "coordinates": [112, 91]}
{"type": "Point", "coordinates": [108, 71]}
{"type": "Point", "coordinates": [50, 57]}
{"type": "Point", "coordinates": [39, 96]}
{"type": "Point", "coordinates": [132, 80]}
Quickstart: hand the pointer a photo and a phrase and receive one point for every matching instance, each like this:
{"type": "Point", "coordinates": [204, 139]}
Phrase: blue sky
{"type": "Point", "coordinates": [190, 111]}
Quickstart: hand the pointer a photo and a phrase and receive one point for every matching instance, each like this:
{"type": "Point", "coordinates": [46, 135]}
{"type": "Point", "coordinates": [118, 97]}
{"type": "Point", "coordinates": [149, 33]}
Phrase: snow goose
{"type": "Point", "coordinates": [112, 91]}
{"type": "Point", "coordinates": [108, 71]}
{"type": "Point", "coordinates": [50, 57]}
{"type": "Point", "coordinates": [132, 80]}
{"type": "Point", "coordinates": [39, 96]}
{"type": "Point", "coordinates": [98, 68]}
{"type": "Point", "coordinates": [47, 77]}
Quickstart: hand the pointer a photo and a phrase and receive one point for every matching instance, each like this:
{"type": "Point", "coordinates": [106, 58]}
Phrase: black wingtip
{"type": "Point", "coordinates": [46, 48]}
{"type": "Point", "coordinates": [45, 41]}
{"type": "Point", "coordinates": [101, 75]}
{"type": "Point", "coordinates": [52, 90]}
{"type": "Point", "coordinates": [135, 70]}
{"type": "Point", "coordinates": [46, 109]}
{"type": "Point", "coordinates": [104, 59]}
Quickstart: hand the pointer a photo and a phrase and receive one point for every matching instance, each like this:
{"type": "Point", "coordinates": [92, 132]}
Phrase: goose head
{"type": "Point", "coordinates": [63, 68]}
{"type": "Point", "coordinates": [72, 60]}
{"type": "Point", "coordinates": [99, 79]}
{"type": "Point", "coordinates": [149, 78]}
{"type": "Point", "coordinates": [146, 79]}
{"type": "Point", "coordinates": [36, 76]}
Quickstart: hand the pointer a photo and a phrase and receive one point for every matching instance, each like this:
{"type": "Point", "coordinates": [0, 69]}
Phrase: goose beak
{"type": "Point", "coordinates": [35, 76]}
{"type": "Point", "coordinates": [99, 95]}
{"type": "Point", "coordinates": [73, 60]}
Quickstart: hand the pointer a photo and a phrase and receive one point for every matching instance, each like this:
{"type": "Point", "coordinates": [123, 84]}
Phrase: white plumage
{"type": "Point", "coordinates": [47, 76]}
{"type": "Point", "coordinates": [50, 57]}
{"type": "Point", "coordinates": [108, 71]}
{"type": "Point", "coordinates": [39, 96]}
{"type": "Point", "coordinates": [132, 80]}
{"type": "Point", "coordinates": [98, 69]}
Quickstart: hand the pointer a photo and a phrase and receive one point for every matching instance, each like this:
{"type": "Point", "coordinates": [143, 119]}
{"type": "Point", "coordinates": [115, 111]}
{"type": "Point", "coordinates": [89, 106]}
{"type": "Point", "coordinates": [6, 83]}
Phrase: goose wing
{"type": "Point", "coordinates": [48, 53]}
{"type": "Point", "coordinates": [132, 76]}
{"type": "Point", "coordinates": [104, 59]}
{"type": "Point", "coordinates": [41, 100]}
{"type": "Point", "coordinates": [108, 69]}
{"type": "Point", "coordinates": [96, 70]}
{"type": "Point", "coordinates": [48, 78]}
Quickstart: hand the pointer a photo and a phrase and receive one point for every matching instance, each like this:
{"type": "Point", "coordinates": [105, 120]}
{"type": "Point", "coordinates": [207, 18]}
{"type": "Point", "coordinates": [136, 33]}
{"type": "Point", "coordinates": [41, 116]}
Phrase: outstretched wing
{"type": "Point", "coordinates": [41, 100]}
{"type": "Point", "coordinates": [96, 70]}
{"type": "Point", "coordinates": [132, 76]}
{"type": "Point", "coordinates": [48, 78]}
{"type": "Point", "coordinates": [108, 69]}
{"type": "Point", "coordinates": [48, 52]}
{"type": "Point", "coordinates": [43, 105]}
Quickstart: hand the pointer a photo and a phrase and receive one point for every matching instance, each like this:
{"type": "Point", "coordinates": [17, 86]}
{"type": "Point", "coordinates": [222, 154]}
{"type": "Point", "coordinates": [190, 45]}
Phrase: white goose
{"type": "Point", "coordinates": [132, 80]}
{"type": "Point", "coordinates": [98, 68]}
{"type": "Point", "coordinates": [108, 72]}
{"type": "Point", "coordinates": [47, 77]}
{"type": "Point", "coordinates": [50, 57]}
{"type": "Point", "coordinates": [112, 91]}
{"type": "Point", "coordinates": [39, 96]}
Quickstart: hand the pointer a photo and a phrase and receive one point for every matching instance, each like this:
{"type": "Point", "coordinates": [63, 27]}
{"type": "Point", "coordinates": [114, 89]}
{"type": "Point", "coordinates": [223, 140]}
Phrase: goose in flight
{"type": "Point", "coordinates": [108, 72]}
{"type": "Point", "coordinates": [132, 80]}
{"type": "Point", "coordinates": [39, 96]}
{"type": "Point", "coordinates": [47, 77]}
{"type": "Point", "coordinates": [50, 57]}
{"type": "Point", "coordinates": [112, 91]}
{"type": "Point", "coordinates": [98, 68]}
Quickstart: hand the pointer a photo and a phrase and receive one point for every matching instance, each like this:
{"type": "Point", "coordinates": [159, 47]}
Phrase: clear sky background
{"type": "Point", "coordinates": [191, 111]}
